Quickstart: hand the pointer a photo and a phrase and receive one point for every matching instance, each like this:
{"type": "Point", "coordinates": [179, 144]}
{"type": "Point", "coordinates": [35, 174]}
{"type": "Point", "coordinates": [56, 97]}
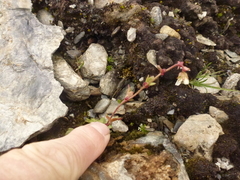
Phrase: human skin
{"type": "Point", "coordinates": [63, 158]}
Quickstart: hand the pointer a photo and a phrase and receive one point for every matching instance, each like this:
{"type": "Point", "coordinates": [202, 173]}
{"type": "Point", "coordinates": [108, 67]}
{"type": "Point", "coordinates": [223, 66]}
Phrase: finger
{"type": "Point", "coordinates": [63, 158]}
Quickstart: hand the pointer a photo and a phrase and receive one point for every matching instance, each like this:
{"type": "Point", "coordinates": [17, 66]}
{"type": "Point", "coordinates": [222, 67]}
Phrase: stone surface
{"type": "Point", "coordinates": [113, 105]}
{"type": "Point", "coordinates": [211, 81]}
{"type": "Point", "coordinates": [198, 133]}
{"type": "Point", "coordinates": [142, 166]}
{"type": "Point", "coordinates": [119, 126]}
{"type": "Point", "coordinates": [156, 15]}
{"type": "Point", "coordinates": [170, 31]}
{"type": "Point", "coordinates": [231, 83]}
{"type": "Point", "coordinates": [203, 40]}
{"type": "Point", "coordinates": [29, 94]}
{"type": "Point", "coordinates": [45, 17]}
{"type": "Point", "coordinates": [218, 114]}
{"type": "Point", "coordinates": [95, 62]}
{"type": "Point", "coordinates": [108, 83]}
{"type": "Point", "coordinates": [75, 87]}
{"type": "Point", "coordinates": [102, 3]}
{"type": "Point", "coordinates": [131, 34]}
{"type": "Point", "coordinates": [101, 105]}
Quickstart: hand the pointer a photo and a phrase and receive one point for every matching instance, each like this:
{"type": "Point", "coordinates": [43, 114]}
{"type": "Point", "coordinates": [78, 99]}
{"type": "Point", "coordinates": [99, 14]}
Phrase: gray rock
{"type": "Point", "coordinates": [78, 38]}
{"type": "Point", "coordinates": [151, 57]}
{"type": "Point", "coordinates": [131, 34]}
{"type": "Point", "coordinates": [29, 94]}
{"type": "Point", "coordinates": [218, 114]}
{"type": "Point", "coordinates": [161, 36]}
{"type": "Point", "coordinates": [75, 87]}
{"type": "Point", "coordinates": [101, 105]}
{"type": "Point", "coordinates": [119, 126]}
{"type": "Point", "coordinates": [203, 40]}
{"type": "Point", "coordinates": [113, 105]}
{"type": "Point", "coordinates": [231, 83]}
{"type": "Point", "coordinates": [198, 134]}
{"type": "Point", "coordinates": [211, 81]}
{"type": "Point", "coordinates": [45, 17]}
{"type": "Point", "coordinates": [154, 138]}
{"type": "Point", "coordinates": [108, 83]}
{"type": "Point", "coordinates": [156, 16]}
{"type": "Point", "coordinates": [102, 3]}
{"type": "Point", "coordinates": [125, 89]}
{"type": "Point", "coordinates": [95, 62]}
{"type": "Point", "coordinates": [74, 53]}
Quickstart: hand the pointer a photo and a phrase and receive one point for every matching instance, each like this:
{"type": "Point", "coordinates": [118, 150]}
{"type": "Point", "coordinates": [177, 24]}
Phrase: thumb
{"type": "Point", "coordinates": [63, 158]}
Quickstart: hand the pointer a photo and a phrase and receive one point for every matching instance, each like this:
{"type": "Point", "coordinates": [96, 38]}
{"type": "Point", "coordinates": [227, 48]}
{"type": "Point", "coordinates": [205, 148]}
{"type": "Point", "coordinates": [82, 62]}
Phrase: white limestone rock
{"type": "Point", "coordinates": [131, 34]}
{"type": "Point", "coordinates": [231, 83]}
{"type": "Point", "coordinates": [29, 93]}
{"type": "Point", "coordinates": [119, 126]}
{"type": "Point", "coordinates": [95, 62]}
{"type": "Point", "coordinates": [156, 16]}
{"type": "Point", "coordinates": [218, 114]}
{"type": "Point", "coordinates": [211, 81]}
{"type": "Point", "coordinates": [75, 87]}
{"type": "Point", "coordinates": [108, 83]}
{"type": "Point", "coordinates": [198, 134]}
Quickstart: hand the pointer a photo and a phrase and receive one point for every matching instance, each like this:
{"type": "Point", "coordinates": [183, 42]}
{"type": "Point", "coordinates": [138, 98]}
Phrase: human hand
{"type": "Point", "coordinates": [63, 158]}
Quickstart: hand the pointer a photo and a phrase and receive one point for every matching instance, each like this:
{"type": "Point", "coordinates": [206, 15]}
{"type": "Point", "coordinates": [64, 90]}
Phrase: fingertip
{"type": "Point", "coordinates": [101, 128]}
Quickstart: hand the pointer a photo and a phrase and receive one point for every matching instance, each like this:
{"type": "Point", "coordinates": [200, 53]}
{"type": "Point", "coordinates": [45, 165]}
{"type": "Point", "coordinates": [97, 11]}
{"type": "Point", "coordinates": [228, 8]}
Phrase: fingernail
{"type": "Point", "coordinates": [100, 127]}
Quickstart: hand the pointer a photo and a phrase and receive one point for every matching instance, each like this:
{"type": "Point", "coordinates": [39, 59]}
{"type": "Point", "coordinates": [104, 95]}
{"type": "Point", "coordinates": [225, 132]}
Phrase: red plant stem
{"type": "Point", "coordinates": [144, 86]}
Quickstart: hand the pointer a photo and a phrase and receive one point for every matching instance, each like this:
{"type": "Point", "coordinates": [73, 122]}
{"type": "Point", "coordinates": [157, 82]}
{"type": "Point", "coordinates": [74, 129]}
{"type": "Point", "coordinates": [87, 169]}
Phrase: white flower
{"type": "Point", "coordinates": [182, 78]}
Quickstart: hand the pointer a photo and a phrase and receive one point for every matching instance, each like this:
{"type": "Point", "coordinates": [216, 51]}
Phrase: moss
{"type": "Point", "coordinates": [201, 169]}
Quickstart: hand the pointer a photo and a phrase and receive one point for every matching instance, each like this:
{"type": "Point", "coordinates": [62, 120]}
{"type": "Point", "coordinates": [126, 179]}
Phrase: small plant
{"type": "Point", "coordinates": [182, 78]}
{"type": "Point", "coordinates": [143, 128]}
{"type": "Point", "coordinates": [203, 75]}
{"type": "Point", "coordinates": [80, 64]}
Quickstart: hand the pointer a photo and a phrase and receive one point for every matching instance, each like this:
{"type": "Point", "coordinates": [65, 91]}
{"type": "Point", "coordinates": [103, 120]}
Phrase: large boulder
{"type": "Point", "coordinates": [29, 94]}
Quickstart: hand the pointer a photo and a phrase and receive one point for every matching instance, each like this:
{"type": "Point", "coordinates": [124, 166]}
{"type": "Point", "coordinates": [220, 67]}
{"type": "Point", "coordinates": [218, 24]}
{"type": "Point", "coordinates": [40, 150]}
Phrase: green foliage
{"type": "Point", "coordinates": [110, 59]}
{"type": "Point", "coordinates": [102, 120]}
{"type": "Point", "coordinates": [143, 128]}
{"type": "Point", "coordinates": [80, 64]}
{"type": "Point", "coordinates": [109, 67]}
{"type": "Point", "coordinates": [202, 77]}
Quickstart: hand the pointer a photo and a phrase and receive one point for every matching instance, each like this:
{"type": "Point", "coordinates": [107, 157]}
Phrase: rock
{"type": "Point", "coordinates": [202, 15]}
{"type": "Point", "coordinates": [125, 89]}
{"type": "Point", "coordinates": [45, 17]}
{"type": "Point", "coordinates": [101, 3]}
{"type": "Point", "coordinates": [95, 62]}
{"type": "Point", "coordinates": [29, 94]}
{"type": "Point", "coordinates": [198, 134]}
{"type": "Point", "coordinates": [95, 172]}
{"type": "Point", "coordinates": [154, 138]}
{"type": "Point", "coordinates": [130, 166]}
{"type": "Point", "coordinates": [219, 115]}
{"type": "Point", "coordinates": [108, 83]}
{"type": "Point", "coordinates": [170, 31]}
{"type": "Point", "coordinates": [201, 39]}
{"type": "Point", "coordinates": [133, 106]}
{"type": "Point", "coordinates": [75, 87]}
{"type": "Point", "coordinates": [79, 37]}
{"type": "Point", "coordinates": [224, 163]}
{"type": "Point", "coordinates": [151, 57]}
{"type": "Point", "coordinates": [231, 83]}
{"type": "Point", "coordinates": [211, 81]}
{"type": "Point", "coordinates": [156, 16]}
{"type": "Point", "coordinates": [101, 105]}
{"type": "Point", "coordinates": [119, 126]}
{"type": "Point", "coordinates": [74, 53]}
{"type": "Point", "coordinates": [161, 36]}
{"type": "Point", "coordinates": [113, 105]}
{"type": "Point", "coordinates": [131, 34]}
